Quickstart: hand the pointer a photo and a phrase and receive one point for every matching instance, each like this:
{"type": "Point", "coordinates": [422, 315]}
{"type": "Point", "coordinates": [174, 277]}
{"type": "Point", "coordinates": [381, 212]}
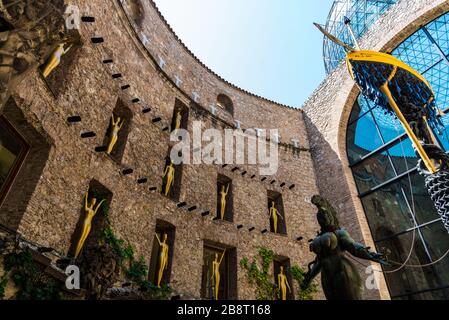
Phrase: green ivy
{"type": "Point", "coordinates": [136, 271]}
{"type": "Point", "coordinates": [266, 288]}
{"type": "Point", "coordinates": [3, 284]}
{"type": "Point", "coordinates": [30, 280]}
{"type": "Point", "coordinates": [298, 274]}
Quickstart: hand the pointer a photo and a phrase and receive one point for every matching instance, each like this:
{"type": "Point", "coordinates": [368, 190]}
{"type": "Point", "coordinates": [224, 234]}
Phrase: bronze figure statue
{"type": "Point", "coordinates": [339, 277]}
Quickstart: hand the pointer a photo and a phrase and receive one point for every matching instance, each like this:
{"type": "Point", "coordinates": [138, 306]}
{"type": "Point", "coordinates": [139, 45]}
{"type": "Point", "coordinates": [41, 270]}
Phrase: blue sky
{"type": "Point", "coordinates": [268, 47]}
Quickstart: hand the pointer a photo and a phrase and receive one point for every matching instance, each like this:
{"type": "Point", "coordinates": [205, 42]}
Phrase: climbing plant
{"type": "Point", "coordinates": [298, 274]}
{"type": "Point", "coordinates": [135, 270]}
{"type": "Point", "coordinates": [31, 281]}
{"type": "Point", "coordinates": [266, 288]}
{"type": "Point", "coordinates": [3, 284]}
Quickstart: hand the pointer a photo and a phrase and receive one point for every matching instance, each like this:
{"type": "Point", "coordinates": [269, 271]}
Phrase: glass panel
{"type": "Point", "coordinates": [403, 156]}
{"type": "Point", "coordinates": [437, 241]}
{"type": "Point", "coordinates": [373, 172]}
{"type": "Point", "coordinates": [438, 77]}
{"type": "Point", "coordinates": [387, 209]}
{"type": "Point", "coordinates": [418, 52]}
{"type": "Point", "coordinates": [406, 280]}
{"type": "Point", "coordinates": [439, 30]}
{"type": "Point", "coordinates": [363, 138]}
{"type": "Point", "coordinates": [361, 106]}
{"type": "Point", "coordinates": [419, 199]}
{"type": "Point", "coordinates": [10, 149]}
{"type": "Point", "coordinates": [389, 126]}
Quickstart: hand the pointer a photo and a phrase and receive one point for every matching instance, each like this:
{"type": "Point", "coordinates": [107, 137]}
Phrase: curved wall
{"type": "Point", "coordinates": [91, 89]}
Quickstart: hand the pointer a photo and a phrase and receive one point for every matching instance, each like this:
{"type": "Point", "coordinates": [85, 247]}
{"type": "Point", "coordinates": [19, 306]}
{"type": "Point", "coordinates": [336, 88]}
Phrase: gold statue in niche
{"type": "Point", "coordinates": [274, 214]}
{"type": "Point", "coordinates": [169, 175]}
{"type": "Point", "coordinates": [55, 59]}
{"type": "Point", "coordinates": [116, 126]}
{"type": "Point", "coordinates": [216, 273]}
{"type": "Point", "coordinates": [224, 194]}
{"type": "Point", "coordinates": [178, 120]}
{"type": "Point", "coordinates": [90, 212]}
{"type": "Point", "coordinates": [163, 258]}
{"type": "Point", "coordinates": [283, 284]}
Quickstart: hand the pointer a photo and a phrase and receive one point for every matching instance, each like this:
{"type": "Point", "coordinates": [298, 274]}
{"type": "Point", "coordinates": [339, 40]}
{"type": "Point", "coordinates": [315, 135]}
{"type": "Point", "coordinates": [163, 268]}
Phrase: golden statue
{"type": "Point", "coordinates": [224, 194]}
{"type": "Point", "coordinates": [274, 214]}
{"type": "Point", "coordinates": [116, 127]}
{"type": "Point", "coordinates": [55, 59]}
{"type": "Point", "coordinates": [283, 284]}
{"type": "Point", "coordinates": [178, 120]}
{"type": "Point", "coordinates": [87, 224]}
{"type": "Point", "coordinates": [216, 273]}
{"type": "Point", "coordinates": [169, 174]}
{"type": "Point", "coordinates": [163, 258]}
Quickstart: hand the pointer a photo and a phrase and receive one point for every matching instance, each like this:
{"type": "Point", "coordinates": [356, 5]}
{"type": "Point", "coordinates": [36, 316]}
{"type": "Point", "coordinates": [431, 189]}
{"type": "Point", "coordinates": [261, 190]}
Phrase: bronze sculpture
{"type": "Point", "coordinates": [339, 277]}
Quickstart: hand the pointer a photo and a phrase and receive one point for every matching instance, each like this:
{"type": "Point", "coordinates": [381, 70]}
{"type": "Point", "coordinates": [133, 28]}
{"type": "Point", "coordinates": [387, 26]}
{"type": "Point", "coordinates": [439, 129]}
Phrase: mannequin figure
{"type": "Point", "coordinates": [178, 120]}
{"type": "Point", "coordinates": [163, 258]}
{"type": "Point", "coordinates": [283, 284]}
{"type": "Point", "coordinates": [169, 173]}
{"type": "Point", "coordinates": [116, 127]}
{"type": "Point", "coordinates": [274, 214]}
{"type": "Point", "coordinates": [55, 59]}
{"type": "Point", "coordinates": [90, 211]}
{"type": "Point", "coordinates": [216, 273]}
{"type": "Point", "coordinates": [224, 194]}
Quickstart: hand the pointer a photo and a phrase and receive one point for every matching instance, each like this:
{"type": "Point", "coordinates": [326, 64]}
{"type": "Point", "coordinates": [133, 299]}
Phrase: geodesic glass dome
{"type": "Point", "coordinates": [362, 13]}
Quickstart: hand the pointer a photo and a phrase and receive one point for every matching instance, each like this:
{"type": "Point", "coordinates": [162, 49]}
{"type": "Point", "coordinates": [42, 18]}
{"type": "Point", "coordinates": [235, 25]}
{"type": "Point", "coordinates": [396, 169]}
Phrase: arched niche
{"type": "Point", "coordinates": [224, 102]}
{"type": "Point", "coordinates": [27, 151]}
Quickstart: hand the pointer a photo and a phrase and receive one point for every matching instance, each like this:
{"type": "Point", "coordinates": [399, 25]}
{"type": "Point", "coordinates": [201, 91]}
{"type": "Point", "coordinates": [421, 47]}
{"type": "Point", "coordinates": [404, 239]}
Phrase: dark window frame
{"type": "Point", "coordinates": [25, 148]}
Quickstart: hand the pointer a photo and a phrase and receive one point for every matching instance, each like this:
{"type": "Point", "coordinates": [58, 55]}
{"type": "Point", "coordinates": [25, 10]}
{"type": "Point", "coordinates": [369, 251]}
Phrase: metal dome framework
{"type": "Point", "coordinates": [362, 13]}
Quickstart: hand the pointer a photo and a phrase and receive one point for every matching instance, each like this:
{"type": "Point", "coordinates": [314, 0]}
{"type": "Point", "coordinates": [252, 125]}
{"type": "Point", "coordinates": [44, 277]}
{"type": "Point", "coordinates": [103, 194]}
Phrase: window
{"type": "Point", "coordinates": [276, 213]}
{"type": "Point", "coordinates": [13, 150]}
{"type": "Point", "coordinates": [224, 102]}
{"type": "Point", "coordinates": [227, 286]}
{"type": "Point", "coordinates": [163, 229]}
{"type": "Point", "coordinates": [25, 148]}
{"type": "Point", "coordinates": [224, 185]}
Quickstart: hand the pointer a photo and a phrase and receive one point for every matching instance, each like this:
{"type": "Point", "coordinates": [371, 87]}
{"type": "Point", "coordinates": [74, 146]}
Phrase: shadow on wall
{"type": "Point", "coordinates": [29, 174]}
{"type": "Point", "coordinates": [332, 185]}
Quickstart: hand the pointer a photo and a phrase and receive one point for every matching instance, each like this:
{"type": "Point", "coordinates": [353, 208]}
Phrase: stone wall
{"type": "Point", "coordinates": [90, 91]}
{"type": "Point", "coordinates": [327, 113]}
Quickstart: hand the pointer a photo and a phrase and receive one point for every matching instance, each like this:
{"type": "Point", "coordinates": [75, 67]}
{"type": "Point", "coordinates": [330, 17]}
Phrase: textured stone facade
{"type": "Point", "coordinates": [150, 72]}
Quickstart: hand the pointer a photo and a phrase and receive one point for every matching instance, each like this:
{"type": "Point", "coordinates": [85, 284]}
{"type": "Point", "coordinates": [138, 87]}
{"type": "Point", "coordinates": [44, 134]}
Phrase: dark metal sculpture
{"type": "Point", "coordinates": [29, 31]}
{"type": "Point", "coordinates": [339, 277]}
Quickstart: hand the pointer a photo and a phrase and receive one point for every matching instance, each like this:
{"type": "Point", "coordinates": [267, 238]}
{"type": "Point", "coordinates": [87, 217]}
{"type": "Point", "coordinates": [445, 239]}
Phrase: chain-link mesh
{"type": "Point", "coordinates": [438, 183]}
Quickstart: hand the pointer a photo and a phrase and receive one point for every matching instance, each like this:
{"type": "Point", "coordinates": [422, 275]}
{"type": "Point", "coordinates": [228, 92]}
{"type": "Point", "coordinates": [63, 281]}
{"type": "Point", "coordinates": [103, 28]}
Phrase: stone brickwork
{"type": "Point", "coordinates": [327, 112]}
{"type": "Point", "coordinates": [67, 163]}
